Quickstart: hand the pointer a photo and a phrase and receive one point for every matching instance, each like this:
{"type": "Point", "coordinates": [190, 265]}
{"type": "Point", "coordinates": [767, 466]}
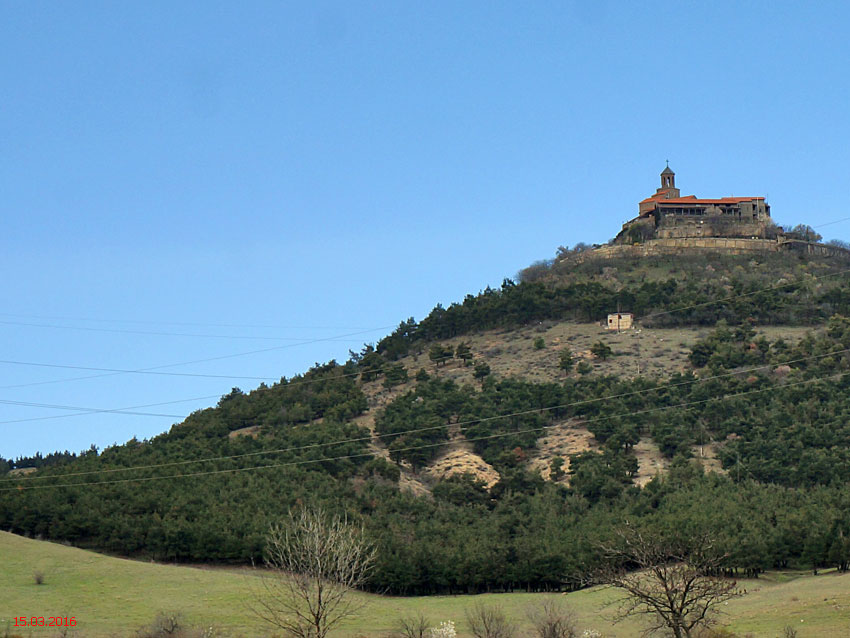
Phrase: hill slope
{"type": "Point", "coordinates": [112, 597]}
{"type": "Point", "coordinates": [461, 432]}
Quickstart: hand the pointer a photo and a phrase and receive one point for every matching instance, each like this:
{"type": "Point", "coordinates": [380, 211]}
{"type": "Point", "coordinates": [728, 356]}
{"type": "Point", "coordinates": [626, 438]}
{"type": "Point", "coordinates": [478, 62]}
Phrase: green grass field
{"type": "Point", "coordinates": [113, 597]}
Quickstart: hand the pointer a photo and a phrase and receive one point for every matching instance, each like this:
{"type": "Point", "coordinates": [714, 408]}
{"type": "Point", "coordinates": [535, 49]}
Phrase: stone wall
{"type": "Point", "coordinates": [691, 245]}
{"type": "Point", "coordinates": [710, 227]}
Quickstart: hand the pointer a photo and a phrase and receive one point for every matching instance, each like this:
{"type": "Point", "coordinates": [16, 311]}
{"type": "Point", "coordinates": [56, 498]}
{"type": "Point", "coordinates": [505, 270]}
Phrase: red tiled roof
{"type": "Point", "coordinates": [692, 199]}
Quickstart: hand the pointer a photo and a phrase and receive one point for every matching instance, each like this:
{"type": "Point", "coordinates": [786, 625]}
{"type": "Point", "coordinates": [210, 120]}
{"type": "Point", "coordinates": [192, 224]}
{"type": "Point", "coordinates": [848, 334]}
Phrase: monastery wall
{"type": "Point", "coordinates": [713, 227]}
{"type": "Point", "coordinates": [691, 245]}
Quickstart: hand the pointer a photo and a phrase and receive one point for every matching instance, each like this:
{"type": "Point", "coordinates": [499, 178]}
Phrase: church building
{"type": "Point", "coordinates": [667, 214]}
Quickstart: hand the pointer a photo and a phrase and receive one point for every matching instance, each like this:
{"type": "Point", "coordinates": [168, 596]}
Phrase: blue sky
{"type": "Point", "coordinates": [245, 176]}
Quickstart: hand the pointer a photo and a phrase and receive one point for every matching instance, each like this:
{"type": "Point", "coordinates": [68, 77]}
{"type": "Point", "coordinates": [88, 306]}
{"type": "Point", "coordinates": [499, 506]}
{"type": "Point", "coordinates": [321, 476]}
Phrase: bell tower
{"type": "Point", "coordinates": [668, 178]}
{"type": "Point", "coordinates": [668, 183]}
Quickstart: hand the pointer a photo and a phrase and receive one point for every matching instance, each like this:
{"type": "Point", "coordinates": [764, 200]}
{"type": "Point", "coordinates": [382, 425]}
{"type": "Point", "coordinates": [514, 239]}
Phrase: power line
{"type": "Point", "coordinates": [182, 363]}
{"type": "Point", "coordinates": [87, 411]}
{"type": "Point", "coordinates": [837, 221]}
{"type": "Point", "coordinates": [126, 371]}
{"type": "Point", "coordinates": [157, 369]}
{"type": "Point", "coordinates": [154, 370]}
{"type": "Point", "coordinates": [30, 404]}
{"type": "Point", "coordinates": [338, 376]}
{"type": "Point", "coordinates": [289, 384]}
{"type": "Point", "coordinates": [157, 333]}
{"type": "Point", "coordinates": [177, 323]}
{"type": "Point", "coordinates": [407, 449]}
{"type": "Point", "coordinates": [469, 422]}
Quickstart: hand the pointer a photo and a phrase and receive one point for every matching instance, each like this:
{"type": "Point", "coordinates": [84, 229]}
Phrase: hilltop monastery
{"type": "Point", "coordinates": [668, 215]}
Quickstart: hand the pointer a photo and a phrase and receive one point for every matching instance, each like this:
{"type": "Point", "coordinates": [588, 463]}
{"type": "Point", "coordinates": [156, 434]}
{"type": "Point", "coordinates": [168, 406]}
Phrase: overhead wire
{"type": "Point", "coordinates": [158, 333]}
{"type": "Point", "coordinates": [126, 371]}
{"type": "Point", "coordinates": [289, 384]}
{"type": "Point", "coordinates": [84, 411]}
{"type": "Point", "coordinates": [158, 369]}
{"type": "Point", "coordinates": [460, 424]}
{"type": "Point", "coordinates": [836, 221]}
{"type": "Point", "coordinates": [687, 404]}
{"type": "Point", "coordinates": [176, 323]}
{"type": "Point", "coordinates": [182, 363]}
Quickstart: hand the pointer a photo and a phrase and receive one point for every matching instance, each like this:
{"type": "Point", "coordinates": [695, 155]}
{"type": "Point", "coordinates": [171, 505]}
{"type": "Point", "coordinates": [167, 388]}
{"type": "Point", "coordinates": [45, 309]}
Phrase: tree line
{"type": "Point", "coordinates": [748, 290]}
{"type": "Point", "coordinates": [784, 500]}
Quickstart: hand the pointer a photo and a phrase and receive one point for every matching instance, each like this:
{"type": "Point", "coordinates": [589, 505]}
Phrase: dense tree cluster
{"type": "Point", "coordinates": [220, 514]}
{"type": "Point", "coordinates": [39, 460]}
{"type": "Point", "coordinates": [523, 533]}
{"type": "Point", "coordinates": [550, 539]}
{"type": "Point", "coordinates": [777, 413]}
{"type": "Point", "coordinates": [689, 287]}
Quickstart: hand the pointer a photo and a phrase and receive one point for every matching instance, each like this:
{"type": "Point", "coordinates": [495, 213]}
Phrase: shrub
{"type": "Point", "coordinates": [464, 352]}
{"type": "Point", "coordinates": [601, 350]}
{"type": "Point", "coordinates": [551, 619]}
{"type": "Point", "coordinates": [556, 468]}
{"type": "Point", "coordinates": [413, 627]}
{"type": "Point", "coordinates": [481, 370]}
{"type": "Point", "coordinates": [440, 354]}
{"type": "Point", "coordinates": [171, 624]}
{"type": "Point", "coordinates": [166, 623]}
{"type": "Point", "coordinates": [565, 360]}
{"type": "Point", "coordinates": [445, 630]}
{"type": "Point", "coordinates": [38, 577]}
{"type": "Point", "coordinates": [489, 622]}
{"type": "Point", "coordinates": [395, 375]}
{"type": "Point", "coordinates": [539, 343]}
{"type": "Point", "coordinates": [584, 367]}
{"type": "Point", "coordinates": [379, 466]}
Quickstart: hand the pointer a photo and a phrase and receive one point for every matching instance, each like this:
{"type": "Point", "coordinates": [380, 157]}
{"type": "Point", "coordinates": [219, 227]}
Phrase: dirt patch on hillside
{"type": "Point", "coordinates": [252, 430]}
{"type": "Point", "coordinates": [707, 455]}
{"type": "Point", "coordinates": [21, 471]}
{"type": "Point", "coordinates": [560, 440]}
{"type": "Point", "coordinates": [408, 482]}
{"type": "Point", "coordinates": [651, 462]}
{"type": "Point", "coordinates": [656, 352]}
{"type": "Point", "coordinates": [462, 460]}
{"type": "Point", "coordinates": [377, 398]}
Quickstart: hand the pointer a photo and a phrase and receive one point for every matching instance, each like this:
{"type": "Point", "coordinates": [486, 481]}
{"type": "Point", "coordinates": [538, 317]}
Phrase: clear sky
{"type": "Point", "coordinates": [182, 181]}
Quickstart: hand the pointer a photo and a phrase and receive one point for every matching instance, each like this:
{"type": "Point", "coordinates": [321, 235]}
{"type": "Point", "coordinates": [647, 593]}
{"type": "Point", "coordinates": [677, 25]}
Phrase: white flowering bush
{"type": "Point", "coordinates": [591, 633]}
{"type": "Point", "coordinates": [445, 630]}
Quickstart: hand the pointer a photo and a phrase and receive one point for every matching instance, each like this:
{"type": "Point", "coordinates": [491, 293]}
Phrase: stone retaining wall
{"type": "Point", "coordinates": [729, 245]}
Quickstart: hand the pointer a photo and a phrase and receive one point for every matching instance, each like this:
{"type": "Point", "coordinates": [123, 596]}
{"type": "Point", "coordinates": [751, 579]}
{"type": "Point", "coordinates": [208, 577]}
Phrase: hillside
{"type": "Point", "coordinates": [459, 440]}
{"type": "Point", "coordinates": [111, 597]}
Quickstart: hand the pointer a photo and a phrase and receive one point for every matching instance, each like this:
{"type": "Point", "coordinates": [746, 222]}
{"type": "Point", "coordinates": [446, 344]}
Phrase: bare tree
{"type": "Point", "coordinates": [551, 619]}
{"type": "Point", "coordinates": [489, 622]}
{"type": "Point", "coordinates": [316, 561]}
{"type": "Point", "coordinates": [672, 582]}
{"type": "Point", "coordinates": [417, 626]}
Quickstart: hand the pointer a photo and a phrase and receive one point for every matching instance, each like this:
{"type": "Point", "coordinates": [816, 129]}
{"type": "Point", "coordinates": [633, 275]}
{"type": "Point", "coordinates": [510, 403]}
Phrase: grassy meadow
{"type": "Point", "coordinates": [113, 597]}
